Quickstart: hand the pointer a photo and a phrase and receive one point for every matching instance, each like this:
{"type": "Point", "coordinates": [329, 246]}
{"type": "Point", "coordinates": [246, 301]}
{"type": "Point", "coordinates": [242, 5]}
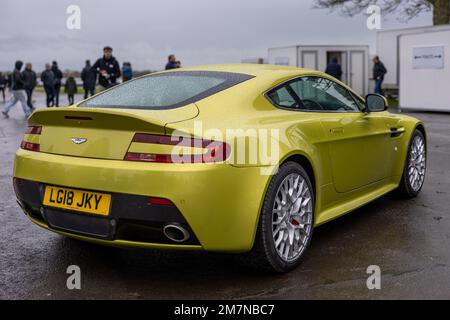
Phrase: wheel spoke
{"type": "Point", "coordinates": [279, 239]}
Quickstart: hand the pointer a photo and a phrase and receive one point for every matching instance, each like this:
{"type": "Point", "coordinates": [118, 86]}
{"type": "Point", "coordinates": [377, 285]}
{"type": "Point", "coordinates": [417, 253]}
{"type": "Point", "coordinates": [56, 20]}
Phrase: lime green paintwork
{"type": "Point", "coordinates": [352, 155]}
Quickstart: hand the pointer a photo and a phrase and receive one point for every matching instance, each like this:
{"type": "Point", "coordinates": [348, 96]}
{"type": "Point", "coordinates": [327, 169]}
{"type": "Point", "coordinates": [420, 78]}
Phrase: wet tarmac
{"type": "Point", "coordinates": [408, 239]}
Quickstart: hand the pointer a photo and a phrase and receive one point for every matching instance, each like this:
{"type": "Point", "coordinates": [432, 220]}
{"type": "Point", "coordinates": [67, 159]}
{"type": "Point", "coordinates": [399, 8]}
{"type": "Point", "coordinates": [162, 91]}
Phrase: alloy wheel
{"type": "Point", "coordinates": [292, 216]}
{"type": "Point", "coordinates": [417, 163]}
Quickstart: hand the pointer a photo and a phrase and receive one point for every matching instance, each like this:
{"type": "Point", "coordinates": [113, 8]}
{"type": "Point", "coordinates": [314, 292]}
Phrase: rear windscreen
{"type": "Point", "coordinates": [166, 90]}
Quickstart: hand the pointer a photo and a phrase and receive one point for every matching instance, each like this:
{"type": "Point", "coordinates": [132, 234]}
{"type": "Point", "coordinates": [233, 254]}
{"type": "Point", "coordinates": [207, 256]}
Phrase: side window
{"type": "Point", "coordinates": [320, 94]}
{"type": "Point", "coordinates": [281, 97]}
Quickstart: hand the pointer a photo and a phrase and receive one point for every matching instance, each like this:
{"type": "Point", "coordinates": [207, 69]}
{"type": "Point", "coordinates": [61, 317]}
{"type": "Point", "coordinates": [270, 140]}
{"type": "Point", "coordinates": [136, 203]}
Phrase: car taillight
{"type": "Point", "coordinates": [31, 146]}
{"type": "Point", "coordinates": [34, 130]}
{"type": "Point", "coordinates": [216, 151]}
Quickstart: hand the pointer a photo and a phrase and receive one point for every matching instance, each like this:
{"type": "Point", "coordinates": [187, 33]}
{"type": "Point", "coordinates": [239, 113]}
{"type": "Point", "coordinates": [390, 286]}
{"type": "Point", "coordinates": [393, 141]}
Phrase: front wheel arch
{"type": "Point", "coordinates": [421, 128]}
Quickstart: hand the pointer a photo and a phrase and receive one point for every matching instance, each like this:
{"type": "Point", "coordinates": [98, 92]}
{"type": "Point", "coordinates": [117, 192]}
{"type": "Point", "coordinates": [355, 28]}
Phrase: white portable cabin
{"type": "Point", "coordinates": [354, 60]}
{"type": "Point", "coordinates": [388, 50]}
{"type": "Point", "coordinates": [424, 73]}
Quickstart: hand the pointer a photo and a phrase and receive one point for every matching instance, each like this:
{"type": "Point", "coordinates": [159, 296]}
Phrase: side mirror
{"type": "Point", "coordinates": [376, 103]}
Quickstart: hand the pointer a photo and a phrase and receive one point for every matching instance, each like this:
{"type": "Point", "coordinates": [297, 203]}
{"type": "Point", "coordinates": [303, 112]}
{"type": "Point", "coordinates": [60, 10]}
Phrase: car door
{"type": "Point", "coordinates": [357, 141]}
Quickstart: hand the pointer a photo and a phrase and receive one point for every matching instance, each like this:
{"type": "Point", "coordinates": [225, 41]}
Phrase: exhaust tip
{"type": "Point", "coordinates": [176, 233]}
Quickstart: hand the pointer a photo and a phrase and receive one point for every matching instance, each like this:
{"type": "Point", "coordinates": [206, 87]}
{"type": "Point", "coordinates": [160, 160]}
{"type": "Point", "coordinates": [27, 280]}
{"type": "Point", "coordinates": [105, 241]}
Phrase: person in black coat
{"type": "Point", "coordinates": [108, 69]}
{"type": "Point", "coordinates": [334, 69]}
{"type": "Point", "coordinates": [48, 79]}
{"type": "Point", "coordinates": [30, 78]}
{"type": "Point", "coordinates": [71, 88]}
{"type": "Point", "coordinates": [89, 78]}
{"type": "Point", "coordinates": [58, 81]}
{"type": "Point", "coordinates": [379, 70]}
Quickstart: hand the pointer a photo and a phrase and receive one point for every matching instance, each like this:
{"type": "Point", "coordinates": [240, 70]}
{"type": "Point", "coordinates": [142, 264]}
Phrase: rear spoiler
{"type": "Point", "coordinates": [130, 120]}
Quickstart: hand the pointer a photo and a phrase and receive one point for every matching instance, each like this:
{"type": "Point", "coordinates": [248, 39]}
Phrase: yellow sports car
{"type": "Point", "coordinates": [230, 158]}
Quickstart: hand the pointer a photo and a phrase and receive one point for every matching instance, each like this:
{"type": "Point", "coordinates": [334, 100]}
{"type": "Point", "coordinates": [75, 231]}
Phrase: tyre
{"type": "Point", "coordinates": [415, 166]}
{"type": "Point", "coordinates": [286, 220]}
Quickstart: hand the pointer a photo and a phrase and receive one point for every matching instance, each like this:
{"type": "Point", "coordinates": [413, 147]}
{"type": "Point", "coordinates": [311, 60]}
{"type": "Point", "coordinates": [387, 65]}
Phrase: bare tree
{"type": "Point", "coordinates": [407, 8]}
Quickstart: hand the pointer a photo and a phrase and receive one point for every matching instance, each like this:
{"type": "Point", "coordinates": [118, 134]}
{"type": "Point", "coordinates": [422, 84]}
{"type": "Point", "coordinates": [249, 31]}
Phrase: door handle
{"type": "Point", "coordinates": [337, 130]}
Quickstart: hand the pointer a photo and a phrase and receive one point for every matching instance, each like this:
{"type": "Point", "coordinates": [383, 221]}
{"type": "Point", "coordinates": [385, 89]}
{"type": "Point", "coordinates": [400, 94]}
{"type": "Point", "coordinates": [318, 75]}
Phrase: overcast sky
{"type": "Point", "coordinates": [197, 31]}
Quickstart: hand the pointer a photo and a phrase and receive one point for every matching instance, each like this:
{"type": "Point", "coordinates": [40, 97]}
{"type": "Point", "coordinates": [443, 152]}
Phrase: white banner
{"type": "Point", "coordinates": [428, 58]}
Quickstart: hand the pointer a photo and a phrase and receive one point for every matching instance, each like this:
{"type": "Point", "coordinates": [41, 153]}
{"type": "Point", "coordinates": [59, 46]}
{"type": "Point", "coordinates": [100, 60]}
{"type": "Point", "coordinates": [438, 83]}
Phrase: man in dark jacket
{"type": "Point", "coordinates": [379, 70]}
{"type": "Point", "coordinates": [18, 91]}
{"type": "Point", "coordinates": [89, 78]}
{"type": "Point", "coordinates": [108, 69]}
{"type": "Point", "coordinates": [58, 81]}
{"type": "Point", "coordinates": [48, 79]}
{"type": "Point", "coordinates": [172, 62]}
{"type": "Point", "coordinates": [29, 76]}
{"type": "Point", "coordinates": [334, 69]}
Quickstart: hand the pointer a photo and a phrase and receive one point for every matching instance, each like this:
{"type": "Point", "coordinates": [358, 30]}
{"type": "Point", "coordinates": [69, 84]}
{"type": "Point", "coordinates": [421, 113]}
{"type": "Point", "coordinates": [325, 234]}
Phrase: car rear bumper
{"type": "Point", "coordinates": [219, 204]}
{"type": "Point", "coordinates": [131, 217]}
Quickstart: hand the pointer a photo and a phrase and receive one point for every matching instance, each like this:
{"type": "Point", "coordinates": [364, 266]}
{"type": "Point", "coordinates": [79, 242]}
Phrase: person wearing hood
{"type": "Point", "coordinates": [127, 72]}
{"type": "Point", "coordinates": [48, 79]}
{"type": "Point", "coordinates": [108, 69]}
{"type": "Point", "coordinates": [89, 79]}
{"type": "Point", "coordinates": [18, 91]}
{"type": "Point", "coordinates": [58, 81]}
{"type": "Point", "coordinates": [71, 88]}
{"type": "Point", "coordinates": [29, 76]}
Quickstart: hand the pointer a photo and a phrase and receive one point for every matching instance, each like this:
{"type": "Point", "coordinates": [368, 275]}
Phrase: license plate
{"type": "Point", "coordinates": [78, 200]}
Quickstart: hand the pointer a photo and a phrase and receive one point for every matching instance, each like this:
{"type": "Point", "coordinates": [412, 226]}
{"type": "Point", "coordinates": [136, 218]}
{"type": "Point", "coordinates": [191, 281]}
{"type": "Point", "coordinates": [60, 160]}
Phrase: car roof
{"type": "Point", "coordinates": [251, 69]}
{"type": "Point", "coordinates": [264, 73]}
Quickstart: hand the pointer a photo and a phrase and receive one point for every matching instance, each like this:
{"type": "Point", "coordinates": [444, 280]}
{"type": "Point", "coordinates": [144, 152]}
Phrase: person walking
{"type": "Point", "coordinates": [48, 80]}
{"type": "Point", "coordinates": [89, 79]}
{"type": "Point", "coordinates": [3, 83]}
{"type": "Point", "coordinates": [334, 69]}
{"type": "Point", "coordinates": [108, 69]}
{"type": "Point", "coordinates": [379, 71]}
{"type": "Point", "coordinates": [18, 92]}
{"type": "Point", "coordinates": [71, 88]}
{"type": "Point", "coordinates": [30, 78]}
{"type": "Point", "coordinates": [171, 62]}
{"type": "Point", "coordinates": [58, 81]}
{"type": "Point", "coordinates": [127, 72]}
